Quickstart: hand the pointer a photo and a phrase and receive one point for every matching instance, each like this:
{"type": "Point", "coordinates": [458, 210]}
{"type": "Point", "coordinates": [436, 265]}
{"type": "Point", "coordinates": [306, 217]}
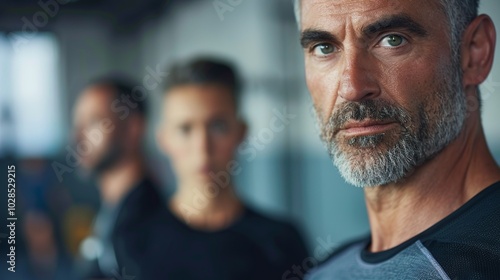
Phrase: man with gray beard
{"type": "Point", "coordinates": [391, 81]}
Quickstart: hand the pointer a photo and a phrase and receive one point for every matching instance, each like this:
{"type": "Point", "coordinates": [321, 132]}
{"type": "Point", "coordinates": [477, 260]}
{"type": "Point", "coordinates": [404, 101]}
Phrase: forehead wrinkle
{"type": "Point", "coordinates": [340, 18]}
{"type": "Point", "coordinates": [331, 15]}
{"type": "Point", "coordinates": [353, 6]}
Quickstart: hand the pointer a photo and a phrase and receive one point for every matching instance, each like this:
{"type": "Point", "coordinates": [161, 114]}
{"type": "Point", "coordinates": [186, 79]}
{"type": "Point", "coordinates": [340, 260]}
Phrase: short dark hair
{"type": "Point", "coordinates": [204, 71]}
{"type": "Point", "coordinates": [122, 86]}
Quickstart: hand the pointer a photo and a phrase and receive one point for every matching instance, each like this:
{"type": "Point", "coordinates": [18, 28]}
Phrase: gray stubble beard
{"type": "Point", "coordinates": [367, 161]}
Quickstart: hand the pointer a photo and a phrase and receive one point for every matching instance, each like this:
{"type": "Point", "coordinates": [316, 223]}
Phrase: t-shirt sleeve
{"type": "Point", "coordinates": [463, 261]}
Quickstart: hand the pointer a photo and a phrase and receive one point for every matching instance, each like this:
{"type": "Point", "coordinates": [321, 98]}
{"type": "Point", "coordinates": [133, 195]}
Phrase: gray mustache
{"type": "Point", "coordinates": [378, 110]}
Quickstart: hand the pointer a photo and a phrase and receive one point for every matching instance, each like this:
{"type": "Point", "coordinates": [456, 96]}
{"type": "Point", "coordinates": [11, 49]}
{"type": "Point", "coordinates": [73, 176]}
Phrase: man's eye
{"type": "Point", "coordinates": [324, 49]}
{"type": "Point", "coordinates": [185, 129]}
{"type": "Point", "coordinates": [392, 41]}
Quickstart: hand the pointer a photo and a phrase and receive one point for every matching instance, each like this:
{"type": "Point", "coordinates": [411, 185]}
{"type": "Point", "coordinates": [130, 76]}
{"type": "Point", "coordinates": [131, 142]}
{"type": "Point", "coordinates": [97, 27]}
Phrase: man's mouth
{"type": "Point", "coordinates": [366, 127]}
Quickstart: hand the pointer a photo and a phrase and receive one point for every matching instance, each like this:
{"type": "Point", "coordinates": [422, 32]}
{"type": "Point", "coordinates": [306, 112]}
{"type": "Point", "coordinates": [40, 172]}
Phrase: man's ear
{"type": "Point", "coordinates": [478, 49]}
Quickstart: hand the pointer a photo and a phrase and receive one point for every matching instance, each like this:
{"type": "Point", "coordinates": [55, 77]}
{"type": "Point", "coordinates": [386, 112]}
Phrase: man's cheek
{"type": "Point", "coordinates": [181, 154]}
{"type": "Point", "coordinates": [328, 101]}
{"type": "Point", "coordinates": [315, 89]}
{"type": "Point", "coordinates": [400, 89]}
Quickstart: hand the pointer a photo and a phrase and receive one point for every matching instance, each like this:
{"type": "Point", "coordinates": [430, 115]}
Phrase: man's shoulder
{"type": "Point", "coordinates": [271, 232]}
{"type": "Point", "coordinates": [358, 243]}
{"type": "Point", "coordinates": [467, 260]}
{"type": "Point", "coordinates": [255, 221]}
{"type": "Point", "coordinates": [345, 252]}
{"type": "Point", "coordinates": [476, 223]}
{"type": "Point", "coordinates": [467, 243]}
{"type": "Point", "coordinates": [144, 200]}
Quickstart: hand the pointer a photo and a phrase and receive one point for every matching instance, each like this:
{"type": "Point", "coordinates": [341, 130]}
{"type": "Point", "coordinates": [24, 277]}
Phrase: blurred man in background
{"type": "Point", "coordinates": [391, 82]}
{"type": "Point", "coordinates": [110, 122]}
{"type": "Point", "coordinates": [207, 232]}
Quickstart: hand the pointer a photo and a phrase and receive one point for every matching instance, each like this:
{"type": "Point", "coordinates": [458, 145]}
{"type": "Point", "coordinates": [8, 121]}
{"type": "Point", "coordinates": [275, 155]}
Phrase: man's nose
{"type": "Point", "coordinates": [357, 78]}
{"type": "Point", "coordinates": [204, 143]}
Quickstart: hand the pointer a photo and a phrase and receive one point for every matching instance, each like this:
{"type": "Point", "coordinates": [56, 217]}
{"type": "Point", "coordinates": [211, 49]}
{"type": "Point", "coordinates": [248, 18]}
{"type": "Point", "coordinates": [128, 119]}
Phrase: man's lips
{"type": "Point", "coordinates": [367, 127]}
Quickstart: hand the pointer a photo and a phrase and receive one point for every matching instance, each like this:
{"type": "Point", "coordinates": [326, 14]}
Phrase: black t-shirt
{"type": "Point", "coordinates": [253, 247]}
{"type": "Point", "coordinates": [464, 245]}
{"type": "Point", "coordinates": [113, 224]}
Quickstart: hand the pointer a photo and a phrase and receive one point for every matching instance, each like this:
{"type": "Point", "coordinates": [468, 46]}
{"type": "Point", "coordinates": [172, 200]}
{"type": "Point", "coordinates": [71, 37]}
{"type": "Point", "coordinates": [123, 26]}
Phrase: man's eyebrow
{"type": "Point", "coordinates": [309, 36]}
{"type": "Point", "coordinates": [399, 21]}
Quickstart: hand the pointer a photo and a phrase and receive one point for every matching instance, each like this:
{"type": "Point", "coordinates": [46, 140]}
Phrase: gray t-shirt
{"type": "Point", "coordinates": [413, 263]}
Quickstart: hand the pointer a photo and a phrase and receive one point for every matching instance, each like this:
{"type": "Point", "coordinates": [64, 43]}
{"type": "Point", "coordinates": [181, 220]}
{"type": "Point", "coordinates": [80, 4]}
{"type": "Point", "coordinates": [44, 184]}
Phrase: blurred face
{"type": "Point", "coordinates": [98, 132]}
{"type": "Point", "coordinates": [200, 130]}
{"type": "Point", "coordinates": [387, 91]}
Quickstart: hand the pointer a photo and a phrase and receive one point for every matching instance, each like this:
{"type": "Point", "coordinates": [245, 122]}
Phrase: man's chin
{"type": "Point", "coordinates": [368, 177]}
{"type": "Point", "coordinates": [358, 148]}
{"type": "Point", "coordinates": [371, 166]}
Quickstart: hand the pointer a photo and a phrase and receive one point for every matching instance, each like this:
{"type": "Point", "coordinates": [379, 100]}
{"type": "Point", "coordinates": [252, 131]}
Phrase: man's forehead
{"type": "Point", "coordinates": [326, 12]}
{"type": "Point", "coordinates": [94, 99]}
{"type": "Point", "coordinates": [196, 101]}
{"type": "Point", "coordinates": [343, 7]}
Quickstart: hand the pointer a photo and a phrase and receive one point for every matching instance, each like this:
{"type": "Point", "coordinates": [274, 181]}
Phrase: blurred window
{"type": "Point", "coordinates": [30, 105]}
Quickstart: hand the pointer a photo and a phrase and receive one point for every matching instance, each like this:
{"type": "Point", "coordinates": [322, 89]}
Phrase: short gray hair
{"type": "Point", "coordinates": [459, 13]}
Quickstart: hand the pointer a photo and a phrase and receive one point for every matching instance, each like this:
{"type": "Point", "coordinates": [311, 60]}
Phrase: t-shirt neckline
{"type": "Point", "coordinates": [382, 256]}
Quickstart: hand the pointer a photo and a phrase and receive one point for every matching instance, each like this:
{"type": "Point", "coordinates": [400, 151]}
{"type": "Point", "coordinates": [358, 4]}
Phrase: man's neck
{"type": "Point", "coordinates": [119, 180]}
{"type": "Point", "coordinates": [201, 208]}
{"type": "Point", "coordinates": [398, 212]}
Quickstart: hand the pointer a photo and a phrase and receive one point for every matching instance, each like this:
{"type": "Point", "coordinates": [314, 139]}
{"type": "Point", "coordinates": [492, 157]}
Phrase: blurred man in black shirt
{"type": "Point", "coordinates": [109, 125]}
{"type": "Point", "coordinates": [207, 232]}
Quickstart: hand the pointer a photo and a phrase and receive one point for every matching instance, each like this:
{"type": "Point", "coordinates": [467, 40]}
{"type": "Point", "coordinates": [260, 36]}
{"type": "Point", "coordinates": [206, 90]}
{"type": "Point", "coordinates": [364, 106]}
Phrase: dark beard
{"type": "Point", "coordinates": [107, 161]}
